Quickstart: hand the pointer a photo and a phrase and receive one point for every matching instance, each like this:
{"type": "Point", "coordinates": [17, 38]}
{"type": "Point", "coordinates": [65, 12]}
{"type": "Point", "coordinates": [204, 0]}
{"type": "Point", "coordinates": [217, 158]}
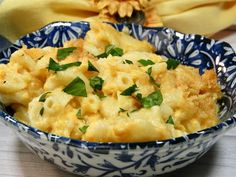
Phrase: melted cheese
{"type": "Point", "coordinates": [188, 97]}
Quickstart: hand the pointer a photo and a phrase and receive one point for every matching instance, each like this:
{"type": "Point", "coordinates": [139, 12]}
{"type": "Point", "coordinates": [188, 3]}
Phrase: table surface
{"type": "Point", "coordinates": [17, 161]}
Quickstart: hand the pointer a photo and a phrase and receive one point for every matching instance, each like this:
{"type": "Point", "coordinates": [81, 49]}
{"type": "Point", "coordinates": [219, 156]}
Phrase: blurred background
{"type": "Point", "coordinates": [205, 17]}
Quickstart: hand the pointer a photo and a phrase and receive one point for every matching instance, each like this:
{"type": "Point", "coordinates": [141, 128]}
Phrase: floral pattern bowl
{"type": "Point", "coordinates": [133, 159]}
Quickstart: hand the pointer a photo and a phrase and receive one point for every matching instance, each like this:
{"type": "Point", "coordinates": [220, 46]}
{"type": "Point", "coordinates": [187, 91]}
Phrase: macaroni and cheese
{"type": "Point", "coordinates": [108, 87]}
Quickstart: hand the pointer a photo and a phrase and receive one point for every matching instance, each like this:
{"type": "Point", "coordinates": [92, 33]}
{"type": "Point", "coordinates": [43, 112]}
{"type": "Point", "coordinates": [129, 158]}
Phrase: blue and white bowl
{"type": "Point", "coordinates": [133, 159]}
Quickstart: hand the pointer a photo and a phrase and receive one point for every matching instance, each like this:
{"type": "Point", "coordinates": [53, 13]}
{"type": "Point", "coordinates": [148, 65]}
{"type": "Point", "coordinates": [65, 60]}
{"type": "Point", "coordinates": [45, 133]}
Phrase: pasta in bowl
{"type": "Point", "coordinates": [103, 89]}
{"type": "Point", "coordinates": [87, 104]}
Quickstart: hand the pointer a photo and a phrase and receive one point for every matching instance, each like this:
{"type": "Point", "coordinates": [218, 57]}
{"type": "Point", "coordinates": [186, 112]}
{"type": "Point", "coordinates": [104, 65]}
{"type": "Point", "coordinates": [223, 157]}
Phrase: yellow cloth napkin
{"type": "Point", "coordinates": [190, 16]}
{"type": "Point", "coordinates": [204, 17]}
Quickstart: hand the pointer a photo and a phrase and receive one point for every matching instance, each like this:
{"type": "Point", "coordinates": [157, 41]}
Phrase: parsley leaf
{"type": "Point", "coordinates": [158, 85]}
{"type": "Point", "coordinates": [128, 62]}
{"type": "Point", "coordinates": [130, 90]}
{"type": "Point", "coordinates": [96, 82]}
{"type": "Point", "coordinates": [170, 120]}
{"type": "Point", "coordinates": [152, 99]}
{"type": "Point", "coordinates": [103, 55]}
{"type": "Point", "coordinates": [122, 110]}
{"type": "Point", "coordinates": [43, 97]}
{"type": "Point", "coordinates": [40, 57]}
{"type": "Point", "coordinates": [149, 72]}
{"type": "Point", "coordinates": [76, 88]}
{"type": "Point", "coordinates": [135, 110]}
{"type": "Point", "coordinates": [54, 66]}
{"type": "Point", "coordinates": [78, 114]}
{"type": "Point", "coordinates": [111, 50]}
{"type": "Point", "coordinates": [146, 62]}
{"type": "Point", "coordinates": [41, 111]}
{"type": "Point", "coordinates": [172, 64]}
{"type": "Point", "coordinates": [91, 67]}
{"type": "Point", "coordinates": [84, 128]}
{"type": "Point", "coordinates": [139, 97]}
{"type": "Point", "coordinates": [64, 52]}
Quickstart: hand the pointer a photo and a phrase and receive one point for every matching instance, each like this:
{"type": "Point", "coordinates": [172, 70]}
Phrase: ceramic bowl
{"type": "Point", "coordinates": [133, 159]}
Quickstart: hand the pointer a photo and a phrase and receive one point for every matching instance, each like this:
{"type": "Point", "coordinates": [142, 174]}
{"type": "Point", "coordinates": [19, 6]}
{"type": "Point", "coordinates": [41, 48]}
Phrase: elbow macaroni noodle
{"type": "Point", "coordinates": [189, 99]}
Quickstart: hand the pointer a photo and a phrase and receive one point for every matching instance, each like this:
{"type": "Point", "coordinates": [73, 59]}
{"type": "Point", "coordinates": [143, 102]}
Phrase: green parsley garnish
{"type": "Point", "coordinates": [111, 50]}
{"type": "Point", "coordinates": [127, 114]}
{"type": "Point", "coordinates": [130, 90]}
{"type": "Point", "coordinates": [41, 111]}
{"type": "Point", "coordinates": [78, 114]}
{"type": "Point", "coordinates": [128, 62]}
{"type": "Point", "coordinates": [139, 97]}
{"type": "Point", "coordinates": [54, 66]}
{"type": "Point", "coordinates": [84, 128]}
{"type": "Point", "coordinates": [158, 85]}
{"type": "Point", "coordinates": [172, 64]}
{"type": "Point", "coordinates": [170, 120]}
{"type": "Point", "coordinates": [122, 110]}
{"type": "Point", "coordinates": [64, 52]}
{"type": "Point", "coordinates": [76, 88]}
{"type": "Point", "coordinates": [40, 57]}
{"type": "Point", "coordinates": [135, 110]}
{"type": "Point", "coordinates": [146, 62]}
{"type": "Point", "coordinates": [91, 67]}
{"type": "Point", "coordinates": [149, 72]}
{"type": "Point", "coordinates": [43, 97]}
{"type": "Point", "coordinates": [96, 82]}
{"type": "Point", "coordinates": [152, 99]}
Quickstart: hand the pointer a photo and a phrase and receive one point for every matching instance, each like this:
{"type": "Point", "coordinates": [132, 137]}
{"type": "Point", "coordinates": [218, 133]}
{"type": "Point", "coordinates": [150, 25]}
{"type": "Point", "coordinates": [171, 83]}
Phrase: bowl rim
{"type": "Point", "coordinates": [36, 133]}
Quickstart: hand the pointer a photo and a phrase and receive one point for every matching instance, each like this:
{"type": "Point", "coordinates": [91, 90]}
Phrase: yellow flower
{"type": "Point", "coordinates": [124, 8]}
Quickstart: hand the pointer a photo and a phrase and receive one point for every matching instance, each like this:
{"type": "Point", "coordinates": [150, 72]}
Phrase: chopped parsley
{"type": "Point", "coordinates": [96, 83]}
{"type": "Point", "coordinates": [149, 72]}
{"type": "Point", "coordinates": [64, 52]}
{"type": "Point", "coordinates": [172, 64]}
{"type": "Point", "coordinates": [139, 97]}
{"type": "Point", "coordinates": [152, 99]}
{"type": "Point", "coordinates": [91, 67]}
{"type": "Point", "coordinates": [130, 90]}
{"type": "Point", "coordinates": [78, 114]}
{"type": "Point", "coordinates": [41, 111]}
{"type": "Point", "coordinates": [84, 128]}
{"type": "Point", "coordinates": [146, 62]}
{"type": "Point", "coordinates": [135, 110]}
{"type": "Point", "coordinates": [43, 97]}
{"type": "Point", "coordinates": [121, 110]}
{"type": "Point", "coordinates": [111, 50]}
{"type": "Point", "coordinates": [128, 62]}
{"type": "Point", "coordinates": [76, 88]}
{"type": "Point", "coordinates": [170, 120]}
{"type": "Point", "coordinates": [158, 85]}
{"type": "Point", "coordinates": [40, 57]}
{"type": "Point", "coordinates": [100, 95]}
{"type": "Point", "coordinates": [54, 66]}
